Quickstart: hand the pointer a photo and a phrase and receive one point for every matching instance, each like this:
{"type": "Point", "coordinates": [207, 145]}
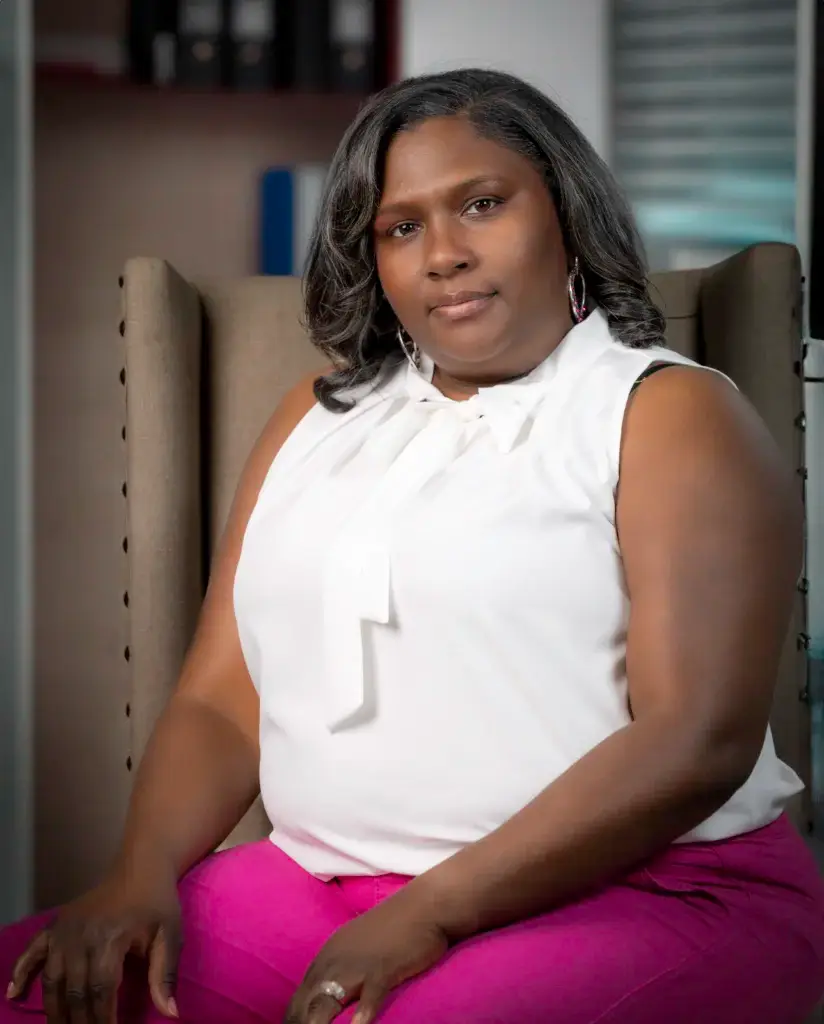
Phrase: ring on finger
{"type": "Point", "coordinates": [334, 990]}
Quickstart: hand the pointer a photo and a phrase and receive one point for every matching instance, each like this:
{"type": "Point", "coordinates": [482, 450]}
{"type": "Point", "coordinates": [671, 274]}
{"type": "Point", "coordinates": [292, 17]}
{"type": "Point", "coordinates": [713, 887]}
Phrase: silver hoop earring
{"type": "Point", "coordinates": [413, 357]}
{"type": "Point", "coordinates": [577, 283]}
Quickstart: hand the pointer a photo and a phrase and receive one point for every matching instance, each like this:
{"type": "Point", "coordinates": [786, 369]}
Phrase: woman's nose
{"type": "Point", "coordinates": [446, 252]}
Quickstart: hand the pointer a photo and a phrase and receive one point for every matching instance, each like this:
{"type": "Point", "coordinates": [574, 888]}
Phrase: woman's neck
{"type": "Point", "coordinates": [459, 390]}
{"type": "Point", "coordinates": [533, 354]}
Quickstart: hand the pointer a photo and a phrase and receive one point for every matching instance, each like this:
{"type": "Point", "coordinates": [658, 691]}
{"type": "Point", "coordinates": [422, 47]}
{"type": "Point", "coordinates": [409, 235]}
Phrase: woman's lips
{"type": "Point", "coordinates": [465, 309]}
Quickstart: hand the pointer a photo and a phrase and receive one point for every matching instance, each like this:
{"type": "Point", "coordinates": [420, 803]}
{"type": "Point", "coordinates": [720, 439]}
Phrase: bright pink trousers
{"type": "Point", "coordinates": [724, 933]}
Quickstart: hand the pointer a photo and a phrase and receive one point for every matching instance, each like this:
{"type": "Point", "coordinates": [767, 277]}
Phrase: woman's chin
{"type": "Point", "coordinates": [471, 356]}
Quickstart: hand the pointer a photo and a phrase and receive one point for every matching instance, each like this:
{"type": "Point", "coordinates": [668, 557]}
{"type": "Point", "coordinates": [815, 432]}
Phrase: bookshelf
{"type": "Point", "coordinates": [99, 43]}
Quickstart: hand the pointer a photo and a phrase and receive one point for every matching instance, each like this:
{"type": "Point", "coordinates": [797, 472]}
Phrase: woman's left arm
{"type": "Point", "coordinates": [710, 530]}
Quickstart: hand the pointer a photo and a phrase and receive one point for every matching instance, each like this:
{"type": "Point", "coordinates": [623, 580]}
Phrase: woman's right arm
{"type": "Point", "coordinates": [198, 776]}
{"type": "Point", "coordinates": [199, 773]}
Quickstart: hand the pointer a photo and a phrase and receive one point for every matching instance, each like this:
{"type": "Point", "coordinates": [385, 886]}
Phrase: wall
{"type": "Point", "coordinates": [561, 46]}
{"type": "Point", "coordinates": [15, 742]}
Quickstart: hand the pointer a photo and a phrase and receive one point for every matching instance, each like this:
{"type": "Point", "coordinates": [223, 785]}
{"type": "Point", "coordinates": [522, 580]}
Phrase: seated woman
{"type": "Point", "coordinates": [494, 630]}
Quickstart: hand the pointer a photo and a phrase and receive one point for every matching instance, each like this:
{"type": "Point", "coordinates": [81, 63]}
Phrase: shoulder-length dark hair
{"type": "Point", "coordinates": [346, 312]}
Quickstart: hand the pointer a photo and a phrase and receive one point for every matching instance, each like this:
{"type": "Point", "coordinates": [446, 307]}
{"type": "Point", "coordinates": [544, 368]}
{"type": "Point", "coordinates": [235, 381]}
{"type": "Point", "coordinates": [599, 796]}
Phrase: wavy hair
{"type": "Point", "coordinates": [345, 310]}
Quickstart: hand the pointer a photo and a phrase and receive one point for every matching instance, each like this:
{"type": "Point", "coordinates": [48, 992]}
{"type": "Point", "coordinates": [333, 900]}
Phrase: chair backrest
{"type": "Point", "coordinates": [207, 361]}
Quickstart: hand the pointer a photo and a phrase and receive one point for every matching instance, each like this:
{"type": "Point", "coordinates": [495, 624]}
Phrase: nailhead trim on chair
{"type": "Point", "coordinates": [124, 490]}
{"type": "Point", "coordinates": [800, 422]}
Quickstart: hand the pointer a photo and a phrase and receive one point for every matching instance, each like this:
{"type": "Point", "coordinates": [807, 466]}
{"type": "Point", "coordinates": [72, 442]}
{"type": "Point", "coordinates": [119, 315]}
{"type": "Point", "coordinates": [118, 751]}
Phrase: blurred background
{"type": "Point", "coordinates": [200, 131]}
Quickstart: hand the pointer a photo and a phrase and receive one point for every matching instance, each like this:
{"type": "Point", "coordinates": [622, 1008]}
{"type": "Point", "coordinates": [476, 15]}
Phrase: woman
{"type": "Point", "coordinates": [494, 629]}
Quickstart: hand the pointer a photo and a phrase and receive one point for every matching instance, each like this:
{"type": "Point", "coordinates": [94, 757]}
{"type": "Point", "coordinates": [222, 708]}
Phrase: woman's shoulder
{"type": "Point", "coordinates": [691, 433]}
{"type": "Point", "coordinates": [614, 376]}
{"type": "Point", "coordinates": [624, 363]}
{"type": "Point", "coordinates": [600, 369]}
{"type": "Point", "coordinates": [301, 422]}
{"type": "Point", "coordinates": [657, 381]}
{"type": "Point", "coordinates": [693, 400]}
{"type": "Point", "coordinates": [302, 399]}
{"type": "Point", "coordinates": [293, 407]}
{"type": "Point", "coordinates": [288, 414]}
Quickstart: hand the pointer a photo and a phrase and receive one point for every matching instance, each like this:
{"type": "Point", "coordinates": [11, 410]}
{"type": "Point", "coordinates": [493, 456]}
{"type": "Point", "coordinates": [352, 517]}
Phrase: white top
{"type": "Point", "coordinates": [430, 602]}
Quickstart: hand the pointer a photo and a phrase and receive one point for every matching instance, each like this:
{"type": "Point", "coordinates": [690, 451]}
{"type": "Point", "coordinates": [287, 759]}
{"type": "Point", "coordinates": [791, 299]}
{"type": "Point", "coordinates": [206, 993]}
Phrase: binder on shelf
{"type": "Point", "coordinates": [354, 48]}
{"type": "Point", "coordinates": [259, 40]}
{"type": "Point", "coordinates": [311, 49]}
{"type": "Point", "coordinates": [308, 183]}
{"type": "Point", "coordinates": [314, 45]}
{"type": "Point", "coordinates": [201, 38]}
{"type": "Point", "coordinates": [139, 37]}
{"type": "Point", "coordinates": [290, 199]}
{"type": "Point", "coordinates": [150, 44]}
{"type": "Point", "coordinates": [277, 235]}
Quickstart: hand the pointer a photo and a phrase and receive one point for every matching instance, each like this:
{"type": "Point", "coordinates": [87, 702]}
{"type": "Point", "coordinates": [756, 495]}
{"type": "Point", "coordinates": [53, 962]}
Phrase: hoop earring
{"type": "Point", "coordinates": [576, 279]}
{"type": "Point", "coordinates": [413, 357]}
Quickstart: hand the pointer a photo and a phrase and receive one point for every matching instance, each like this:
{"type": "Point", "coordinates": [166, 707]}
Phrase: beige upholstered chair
{"type": "Point", "coordinates": [206, 362]}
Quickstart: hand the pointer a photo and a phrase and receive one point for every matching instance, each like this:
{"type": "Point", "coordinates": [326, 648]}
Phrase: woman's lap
{"type": "Point", "coordinates": [703, 933]}
{"type": "Point", "coordinates": [252, 923]}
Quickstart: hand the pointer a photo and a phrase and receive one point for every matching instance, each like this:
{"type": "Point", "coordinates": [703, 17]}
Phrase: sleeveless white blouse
{"type": "Point", "coordinates": [431, 605]}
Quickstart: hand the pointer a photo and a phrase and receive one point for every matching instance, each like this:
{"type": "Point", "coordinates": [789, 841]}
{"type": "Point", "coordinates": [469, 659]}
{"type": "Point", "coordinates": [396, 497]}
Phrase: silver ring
{"type": "Point", "coordinates": [333, 990]}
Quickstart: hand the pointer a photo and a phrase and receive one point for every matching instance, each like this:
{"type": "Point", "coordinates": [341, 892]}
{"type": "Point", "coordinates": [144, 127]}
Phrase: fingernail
{"type": "Point", "coordinates": [11, 990]}
{"type": "Point", "coordinates": [173, 1008]}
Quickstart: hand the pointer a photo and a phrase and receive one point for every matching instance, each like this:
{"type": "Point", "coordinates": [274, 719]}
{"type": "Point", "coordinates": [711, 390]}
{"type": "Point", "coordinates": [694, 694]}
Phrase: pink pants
{"type": "Point", "coordinates": [725, 933]}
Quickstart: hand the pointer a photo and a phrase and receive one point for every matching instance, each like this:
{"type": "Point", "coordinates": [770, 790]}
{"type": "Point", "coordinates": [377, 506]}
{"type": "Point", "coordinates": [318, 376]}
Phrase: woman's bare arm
{"type": "Point", "coordinates": [199, 773]}
{"type": "Point", "coordinates": [710, 527]}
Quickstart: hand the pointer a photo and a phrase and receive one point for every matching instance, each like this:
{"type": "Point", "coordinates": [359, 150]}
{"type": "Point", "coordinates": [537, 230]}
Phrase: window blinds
{"type": "Point", "coordinates": [704, 119]}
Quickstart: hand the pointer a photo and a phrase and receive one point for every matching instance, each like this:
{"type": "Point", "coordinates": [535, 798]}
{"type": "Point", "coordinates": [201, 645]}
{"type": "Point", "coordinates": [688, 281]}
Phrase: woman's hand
{"type": "Point", "coordinates": [81, 955]}
{"type": "Point", "coordinates": [367, 958]}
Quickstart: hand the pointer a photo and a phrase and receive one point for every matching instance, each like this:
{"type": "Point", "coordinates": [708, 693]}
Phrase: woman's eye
{"type": "Point", "coordinates": [477, 207]}
{"type": "Point", "coordinates": [484, 205]}
{"type": "Point", "coordinates": [402, 230]}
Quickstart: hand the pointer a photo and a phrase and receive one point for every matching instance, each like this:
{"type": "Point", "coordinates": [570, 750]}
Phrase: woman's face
{"type": "Point", "coordinates": [470, 253]}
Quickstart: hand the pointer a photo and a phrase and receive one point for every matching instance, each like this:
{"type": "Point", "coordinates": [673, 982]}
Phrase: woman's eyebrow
{"type": "Point", "coordinates": [402, 205]}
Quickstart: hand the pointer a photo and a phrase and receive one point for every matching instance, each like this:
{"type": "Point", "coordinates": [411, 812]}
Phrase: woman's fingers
{"type": "Point", "coordinates": [82, 961]}
{"type": "Point", "coordinates": [28, 965]}
{"type": "Point", "coordinates": [317, 1007]}
{"type": "Point", "coordinates": [54, 988]}
{"type": "Point", "coordinates": [76, 972]}
{"type": "Point", "coordinates": [372, 998]}
{"type": "Point", "coordinates": [105, 975]}
{"type": "Point", "coordinates": [164, 955]}
{"type": "Point", "coordinates": [79, 987]}
{"type": "Point", "coordinates": [312, 1005]}
{"type": "Point", "coordinates": [321, 1009]}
